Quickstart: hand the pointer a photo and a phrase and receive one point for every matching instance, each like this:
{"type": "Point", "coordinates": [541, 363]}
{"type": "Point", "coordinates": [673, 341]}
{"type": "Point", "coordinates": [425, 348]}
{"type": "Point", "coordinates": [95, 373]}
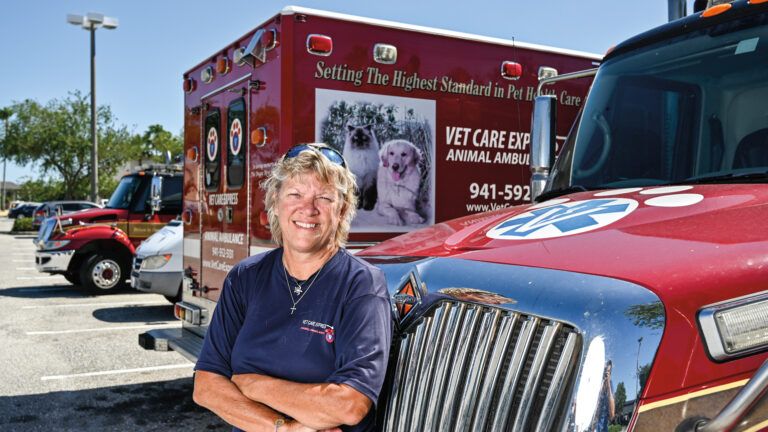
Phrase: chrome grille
{"type": "Point", "coordinates": [467, 367]}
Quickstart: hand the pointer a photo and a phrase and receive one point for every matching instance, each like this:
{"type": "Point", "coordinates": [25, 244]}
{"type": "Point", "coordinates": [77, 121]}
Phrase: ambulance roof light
{"type": "Point", "coordinates": [318, 44]}
{"type": "Point", "coordinates": [511, 70]}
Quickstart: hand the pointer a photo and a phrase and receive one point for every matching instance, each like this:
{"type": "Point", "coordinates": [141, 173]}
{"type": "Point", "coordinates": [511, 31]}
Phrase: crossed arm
{"type": "Point", "coordinates": [254, 402]}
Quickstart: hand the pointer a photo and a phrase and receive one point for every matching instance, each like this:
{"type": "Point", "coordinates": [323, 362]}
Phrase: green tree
{"type": "Point", "coordinates": [155, 142]}
{"type": "Point", "coordinates": [56, 138]}
{"type": "Point", "coordinates": [620, 398]}
{"type": "Point", "coordinates": [41, 190]}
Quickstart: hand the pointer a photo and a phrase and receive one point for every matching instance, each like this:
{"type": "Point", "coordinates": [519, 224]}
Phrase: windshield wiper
{"type": "Point", "coordinates": [554, 193]}
{"type": "Point", "coordinates": [752, 177]}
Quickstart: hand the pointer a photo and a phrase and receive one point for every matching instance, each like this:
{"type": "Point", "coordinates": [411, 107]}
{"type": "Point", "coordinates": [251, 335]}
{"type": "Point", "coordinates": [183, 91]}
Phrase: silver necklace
{"type": "Point", "coordinates": [298, 289]}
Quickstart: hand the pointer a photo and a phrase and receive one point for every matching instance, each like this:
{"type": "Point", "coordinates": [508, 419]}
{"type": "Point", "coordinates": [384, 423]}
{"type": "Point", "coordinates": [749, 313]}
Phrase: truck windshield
{"type": "Point", "coordinates": [121, 197]}
{"type": "Point", "coordinates": [689, 110]}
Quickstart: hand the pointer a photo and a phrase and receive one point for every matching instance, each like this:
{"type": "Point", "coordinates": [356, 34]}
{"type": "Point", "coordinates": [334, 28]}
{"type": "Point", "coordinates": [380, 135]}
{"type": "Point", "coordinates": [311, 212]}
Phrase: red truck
{"type": "Point", "coordinates": [94, 248]}
{"type": "Point", "coordinates": [633, 292]}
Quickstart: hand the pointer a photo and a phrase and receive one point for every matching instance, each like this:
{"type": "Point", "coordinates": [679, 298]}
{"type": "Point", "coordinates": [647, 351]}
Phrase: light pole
{"type": "Point", "coordinates": [5, 114]}
{"type": "Point", "coordinates": [92, 21]}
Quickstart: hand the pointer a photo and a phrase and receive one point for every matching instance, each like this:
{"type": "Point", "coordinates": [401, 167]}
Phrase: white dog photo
{"type": "Point", "coordinates": [398, 182]}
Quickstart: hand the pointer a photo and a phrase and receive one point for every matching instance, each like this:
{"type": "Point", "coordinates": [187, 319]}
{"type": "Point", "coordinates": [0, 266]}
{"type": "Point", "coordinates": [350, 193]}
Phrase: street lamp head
{"type": "Point", "coordinates": [110, 23]}
{"type": "Point", "coordinates": [93, 21]}
{"type": "Point", "coordinates": [75, 19]}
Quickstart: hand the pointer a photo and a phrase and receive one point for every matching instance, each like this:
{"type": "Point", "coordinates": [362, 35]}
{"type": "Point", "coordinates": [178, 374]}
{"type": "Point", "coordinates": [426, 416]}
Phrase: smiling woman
{"type": "Point", "coordinates": [300, 337]}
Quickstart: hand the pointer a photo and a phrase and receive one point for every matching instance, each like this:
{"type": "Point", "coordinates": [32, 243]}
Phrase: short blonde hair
{"type": "Point", "coordinates": [311, 161]}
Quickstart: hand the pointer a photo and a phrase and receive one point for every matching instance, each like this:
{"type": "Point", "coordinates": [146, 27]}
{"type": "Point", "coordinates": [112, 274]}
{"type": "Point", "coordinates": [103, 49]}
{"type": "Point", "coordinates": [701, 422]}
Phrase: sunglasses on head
{"type": "Point", "coordinates": [328, 152]}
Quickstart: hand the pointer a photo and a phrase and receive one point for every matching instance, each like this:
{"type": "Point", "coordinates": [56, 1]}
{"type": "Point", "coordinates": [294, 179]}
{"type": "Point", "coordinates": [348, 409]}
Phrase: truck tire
{"type": "Point", "coordinates": [72, 277]}
{"type": "Point", "coordinates": [102, 272]}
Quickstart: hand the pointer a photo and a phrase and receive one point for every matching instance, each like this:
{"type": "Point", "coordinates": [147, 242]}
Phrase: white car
{"type": "Point", "coordinates": [158, 266]}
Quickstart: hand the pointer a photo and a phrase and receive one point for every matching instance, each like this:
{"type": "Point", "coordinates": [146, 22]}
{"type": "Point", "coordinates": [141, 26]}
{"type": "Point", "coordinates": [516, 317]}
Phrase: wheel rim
{"type": "Point", "coordinates": [106, 274]}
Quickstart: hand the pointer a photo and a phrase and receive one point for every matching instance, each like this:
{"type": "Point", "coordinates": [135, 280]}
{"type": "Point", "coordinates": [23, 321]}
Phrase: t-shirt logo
{"type": "Point", "coordinates": [330, 336]}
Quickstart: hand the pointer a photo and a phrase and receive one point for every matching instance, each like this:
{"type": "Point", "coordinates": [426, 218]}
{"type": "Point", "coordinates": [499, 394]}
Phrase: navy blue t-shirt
{"type": "Point", "coordinates": [340, 332]}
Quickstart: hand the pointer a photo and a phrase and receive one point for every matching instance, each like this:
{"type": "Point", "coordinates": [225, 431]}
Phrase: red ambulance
{"type": "Point", "coordinates": [461, 102]}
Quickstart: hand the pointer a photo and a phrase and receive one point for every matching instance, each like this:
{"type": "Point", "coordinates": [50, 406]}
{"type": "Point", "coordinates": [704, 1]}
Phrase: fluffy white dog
{"type": "Point", "coordinates": [398, 182]}
{"type": "Point", "coordinates": [361, 152]}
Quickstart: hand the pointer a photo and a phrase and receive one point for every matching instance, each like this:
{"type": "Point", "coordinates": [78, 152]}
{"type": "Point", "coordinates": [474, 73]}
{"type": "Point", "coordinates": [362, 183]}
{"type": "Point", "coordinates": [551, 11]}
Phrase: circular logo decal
{"type": "Point", "coordinates": [563, 219]}
{"type": "Point", "coordinates": [330, 335]}
{"type": "Point", "coordinates": [235, 136]}
{"type": "Point", "coordinates": [213, 144]}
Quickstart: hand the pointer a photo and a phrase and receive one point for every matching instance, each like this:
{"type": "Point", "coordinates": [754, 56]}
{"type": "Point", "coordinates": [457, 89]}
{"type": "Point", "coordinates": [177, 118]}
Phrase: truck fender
{"type": "Point", "coordinates": [104, 239]}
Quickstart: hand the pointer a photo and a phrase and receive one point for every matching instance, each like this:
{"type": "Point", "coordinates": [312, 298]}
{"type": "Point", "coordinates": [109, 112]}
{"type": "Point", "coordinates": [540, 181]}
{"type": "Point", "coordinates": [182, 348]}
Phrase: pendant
{"type": "Point", "coordinates": [293, 309]}
{"type": "Point", "coordinates": [297, 290]}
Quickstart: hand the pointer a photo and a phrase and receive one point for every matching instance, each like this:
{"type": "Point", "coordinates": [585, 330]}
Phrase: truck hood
{"type": "Point", "coordinates": [168, 240]}
{"type": "Point", "coordinates": [690, 246]}
{"type": "Point", "coordinates": [663, 238]}
{"type": "Point", "coordinates": [94, 215]}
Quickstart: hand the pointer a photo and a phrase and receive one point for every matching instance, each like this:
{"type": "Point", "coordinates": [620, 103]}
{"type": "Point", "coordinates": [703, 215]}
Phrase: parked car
{"type": "Point", "coordinates": [51, 208]}
{"type": "Point", "coordinates": [25, 209]}
{"type": "Point", "coordinates": [157, 265]}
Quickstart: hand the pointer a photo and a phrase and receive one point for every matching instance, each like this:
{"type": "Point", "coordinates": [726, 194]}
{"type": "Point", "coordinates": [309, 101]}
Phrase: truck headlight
{"type": "Point", "coordinates": [155, 261]}
{"type": "Point", "coordinates": [736, 327]}
{"type": "Point", "coordinates": [55, 244]}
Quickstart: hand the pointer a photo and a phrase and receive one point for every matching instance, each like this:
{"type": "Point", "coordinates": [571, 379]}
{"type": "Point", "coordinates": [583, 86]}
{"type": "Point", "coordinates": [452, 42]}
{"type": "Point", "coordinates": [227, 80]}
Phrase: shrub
{"type": "Point", "coordinates": [22, 223]}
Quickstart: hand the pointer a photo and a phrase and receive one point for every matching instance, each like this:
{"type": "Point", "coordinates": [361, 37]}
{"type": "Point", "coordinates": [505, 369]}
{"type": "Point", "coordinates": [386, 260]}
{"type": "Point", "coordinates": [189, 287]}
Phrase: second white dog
{"type": "Point", "coordinates": [398, 182]}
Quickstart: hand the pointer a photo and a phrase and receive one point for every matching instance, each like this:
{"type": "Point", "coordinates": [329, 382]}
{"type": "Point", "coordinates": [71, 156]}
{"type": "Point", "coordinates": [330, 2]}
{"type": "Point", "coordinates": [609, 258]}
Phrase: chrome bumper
{"type": "Point", "coordinates": [53, 261]}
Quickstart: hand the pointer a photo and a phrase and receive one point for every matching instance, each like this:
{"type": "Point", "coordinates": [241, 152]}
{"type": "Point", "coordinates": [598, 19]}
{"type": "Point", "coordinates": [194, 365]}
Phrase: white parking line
{"type": "Point", "coordinates": [26, 268]}
{"type": "Point", "coordinates": [23, 254]}
{"type": "Point", "coordinates": [20, 261]}
{"type": "Point", "coordinates": [97, 304]}
{"type": "Point", "coordinates": [117, 372]}
{"type": "Point", "coordinates": [144, 326]}
{"type": "Point", "coordinates": [36, 277]}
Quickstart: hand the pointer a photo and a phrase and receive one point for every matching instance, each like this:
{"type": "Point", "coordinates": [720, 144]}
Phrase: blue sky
{"type": "Point", "coordinates": [139, 65]}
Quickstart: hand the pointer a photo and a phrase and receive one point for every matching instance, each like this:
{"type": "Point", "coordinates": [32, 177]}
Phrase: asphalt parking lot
{"type": "Point", "coordinates": [71, 359]}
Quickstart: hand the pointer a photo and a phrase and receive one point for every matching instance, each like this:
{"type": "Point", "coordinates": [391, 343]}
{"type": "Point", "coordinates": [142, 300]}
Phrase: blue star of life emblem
{"type": "Point", "coordinates": [563, 219]}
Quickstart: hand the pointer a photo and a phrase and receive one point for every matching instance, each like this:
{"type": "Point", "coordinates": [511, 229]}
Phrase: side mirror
{"type": "Point", "coordinates": [156, 190]}
{"type": "Point", "coordinates": [542, 142]}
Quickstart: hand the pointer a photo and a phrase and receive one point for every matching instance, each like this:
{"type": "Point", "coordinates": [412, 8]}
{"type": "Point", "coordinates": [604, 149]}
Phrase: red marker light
{"type": "Point", "coordinates": [189, 85]}
{"type": "Point", "coordinates": [756, 1]}
{"type": "Point", "coordinates": [511, 70]}
{"type": "Point", "coordinates": [319, 45]}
